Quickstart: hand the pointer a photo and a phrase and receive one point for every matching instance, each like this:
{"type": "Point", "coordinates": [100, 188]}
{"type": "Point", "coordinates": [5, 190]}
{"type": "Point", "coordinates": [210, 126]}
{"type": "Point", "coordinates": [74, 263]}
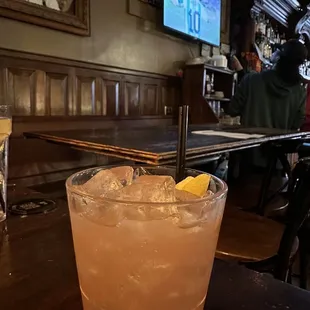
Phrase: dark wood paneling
{"type": "Point", "coordinates": [150, 100]}
{"type": "Point", "coordinates": [56, 95]}
{"type": "Point", "coordinates": [42, 99]}
{"type": "Point", "coordinates": [21, 90]}
{"type": "Point", "coordinates": [50, 86]}
{"type": "Point", "coordinates": [86, 91]}
{"type": "Point", "coordinates": [169, 95]}
{"type": "Point", "coordinates": [132, 99]}
{"type": "Point", "coordinates": [49, 93]}
{"type": "Point", "coordinates": [111, 98]}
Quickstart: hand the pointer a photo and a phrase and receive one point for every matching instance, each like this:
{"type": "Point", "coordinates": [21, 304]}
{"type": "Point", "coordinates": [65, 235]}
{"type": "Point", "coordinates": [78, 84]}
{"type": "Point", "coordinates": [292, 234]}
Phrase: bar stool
{"type": "Point", "coordinates": [276, 151]}
{"type": "Point", "coordinates": [262, 244]}
{"type": "Point", "coordinates": [304, 251]}
{"type": "Point", "coordinates": [304, 233]}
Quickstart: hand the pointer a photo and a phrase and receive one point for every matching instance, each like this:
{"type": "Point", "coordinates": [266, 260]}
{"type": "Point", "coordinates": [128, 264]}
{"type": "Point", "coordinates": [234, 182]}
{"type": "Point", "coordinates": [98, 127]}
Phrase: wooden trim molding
{"type": "Point", "coordinates": [45, 86]}
{"type": "Point", "coordinates": [14, 54]}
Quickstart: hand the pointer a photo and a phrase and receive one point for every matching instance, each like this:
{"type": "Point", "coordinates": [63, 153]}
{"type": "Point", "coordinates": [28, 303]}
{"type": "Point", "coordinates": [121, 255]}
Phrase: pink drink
{"type": "Point", "coordinates": [136, 255]}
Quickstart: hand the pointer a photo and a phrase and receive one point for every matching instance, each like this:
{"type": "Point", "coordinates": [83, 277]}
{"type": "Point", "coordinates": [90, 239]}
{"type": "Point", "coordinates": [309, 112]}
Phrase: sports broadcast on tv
{"type": "Point", "coordinates": [200, 19]}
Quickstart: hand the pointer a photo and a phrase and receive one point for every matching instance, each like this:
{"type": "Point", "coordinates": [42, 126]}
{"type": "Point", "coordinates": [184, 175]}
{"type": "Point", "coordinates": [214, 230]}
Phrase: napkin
{"type": "Point", "coordinates": [234, 135]}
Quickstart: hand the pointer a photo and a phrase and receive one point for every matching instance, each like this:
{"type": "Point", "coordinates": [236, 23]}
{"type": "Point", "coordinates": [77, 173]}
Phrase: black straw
{"type": "Point", "coordinates": [182, 142]}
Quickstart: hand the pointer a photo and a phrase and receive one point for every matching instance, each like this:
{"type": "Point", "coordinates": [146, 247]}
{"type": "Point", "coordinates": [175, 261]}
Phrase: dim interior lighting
{"type": "Point", "coordinates": [303, 26]}
{"type": "Point", "coordinates": [279, 10]}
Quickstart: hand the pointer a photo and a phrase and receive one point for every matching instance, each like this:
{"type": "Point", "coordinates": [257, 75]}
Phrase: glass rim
{"type": "Point", "coordinates": [217, 196]}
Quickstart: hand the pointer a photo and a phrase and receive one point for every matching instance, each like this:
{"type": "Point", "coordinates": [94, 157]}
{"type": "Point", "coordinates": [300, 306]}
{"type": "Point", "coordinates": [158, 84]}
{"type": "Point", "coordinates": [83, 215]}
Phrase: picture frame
{"type": "Point", "coordinates": [72, 16]}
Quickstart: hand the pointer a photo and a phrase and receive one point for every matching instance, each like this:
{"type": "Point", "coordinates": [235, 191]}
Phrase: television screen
{"type": "Point", "coordinates": [200, 19]}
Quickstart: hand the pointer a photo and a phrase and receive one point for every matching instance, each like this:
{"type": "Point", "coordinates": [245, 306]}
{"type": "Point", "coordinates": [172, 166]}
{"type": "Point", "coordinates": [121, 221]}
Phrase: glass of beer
{"type": "Point", "coordinates": [5, 131]}
{"type": "Point", "coordinates": [141, 241]}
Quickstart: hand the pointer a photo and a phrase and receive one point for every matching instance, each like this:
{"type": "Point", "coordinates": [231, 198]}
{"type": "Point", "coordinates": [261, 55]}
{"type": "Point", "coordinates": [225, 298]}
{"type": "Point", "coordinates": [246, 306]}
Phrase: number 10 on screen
{"type": "Point", "coordinates": [193, 17]}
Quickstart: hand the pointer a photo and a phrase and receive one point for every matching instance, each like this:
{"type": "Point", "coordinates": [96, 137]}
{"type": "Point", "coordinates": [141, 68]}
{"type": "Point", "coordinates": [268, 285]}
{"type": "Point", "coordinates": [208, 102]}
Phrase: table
{"type": "Point", "coordinates": [157, 146]}
{"type": "Point", "coordinates": [37, 271]}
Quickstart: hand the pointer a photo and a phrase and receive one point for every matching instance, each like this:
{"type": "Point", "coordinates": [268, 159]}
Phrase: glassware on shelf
{"type": "Point", "coordinates": [208, 85]}
{"type": "Point", "coordinates": [267, 37]}
{"type": "Point", "coordinates": [304, 70]}
{"type": "Point", "coordinates": [212, 84]}
{"type": "Point", "coordinates": [216, 107]}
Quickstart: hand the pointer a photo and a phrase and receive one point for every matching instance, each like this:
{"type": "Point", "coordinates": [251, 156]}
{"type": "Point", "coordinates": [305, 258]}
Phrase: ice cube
{"type": "Point", "coordinates": [145, 192]}
{"type": "Point", "coordinates": [208, 193]}
{"type": "Point", "coordinates": [100, 212]}
{"type": "Point", "coordinates": [164, 180]}
{"type": "Point", "coordinates": [185, 196]}
{"type": "Point", "coordinates": [140, 171]}
{"type": "Point", "coordinates": [147, 189]}
{"type": "Point", "coordinates": [189, 214]}
{"type": "Point", "coordinates": [102, 183]}
{"type": "Point", "coordinates": [156, 188]}
{"type": "Point", "coordinates": [212, 186]}
{"type": "Point", "coordinates": [133, 192]}
{"type": "Point", "coordinates": [124, 174]}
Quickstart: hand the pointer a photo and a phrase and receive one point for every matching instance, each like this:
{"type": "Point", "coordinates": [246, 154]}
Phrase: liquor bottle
{"type": "Point", "coordinates": [263, 25]}
{"type": "Point", "coordinates": [268, 29]}
{"type": "Point", "coordinates": [208, 85]}
{"type": "Point", "coordinates": [212, 84]}
{"type": "Point", "coordinates": [283, 39]}
{"type": "Point", "coordinates": [277, 38]}
{"type": "Point", "coordinates": [272, 35]}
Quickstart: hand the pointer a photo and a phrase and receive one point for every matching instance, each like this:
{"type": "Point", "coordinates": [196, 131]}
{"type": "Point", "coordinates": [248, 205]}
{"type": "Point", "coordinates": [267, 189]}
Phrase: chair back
{"type": "Point", "coordinates": [297, 212]}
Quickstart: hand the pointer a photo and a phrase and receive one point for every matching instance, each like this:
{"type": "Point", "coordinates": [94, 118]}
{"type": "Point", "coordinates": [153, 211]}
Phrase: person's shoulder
{"type": "Point", "coordinates": [253, 78]}
{"type": "Point", "coordinates": [268, 73]}
{"type": "Point", "coordinates": [250, 76]}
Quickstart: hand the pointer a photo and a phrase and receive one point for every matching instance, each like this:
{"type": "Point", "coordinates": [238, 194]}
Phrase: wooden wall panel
{"type": "Point", "coordinates": [56, 94]}
{"type": "Point", "coordinates": [40, 94]}
{"type": "Point", "coordinates": [99, 108]}
{"type": "Point", "coordinates": [21, 91]}
{"type": "Point", "coordinates": [49, 93]}
{"type": "Point", "coordinates": [86, 92]}
{"type": "Point", "coordinates": [47, 86]}
{"type": "Point", "coordinates": [111, 98]}
{"type": "Point", "coordinates": [132, 99]}
{"type": "Point", "coordinates": [150, 100]}
{"type": "Point", "coordinates": [167, 98]}
{"type": "Point", "coordinates": [3, 83]}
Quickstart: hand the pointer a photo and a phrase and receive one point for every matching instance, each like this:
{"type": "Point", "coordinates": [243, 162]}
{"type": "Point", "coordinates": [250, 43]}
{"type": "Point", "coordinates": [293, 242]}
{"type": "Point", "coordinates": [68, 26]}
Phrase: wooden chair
{"type": "Point", "coordinates": [261, 243]}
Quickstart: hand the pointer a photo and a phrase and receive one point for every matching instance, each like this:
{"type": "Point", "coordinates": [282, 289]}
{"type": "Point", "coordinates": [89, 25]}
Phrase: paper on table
{"type": "Point", "coordinates": [235, 135]}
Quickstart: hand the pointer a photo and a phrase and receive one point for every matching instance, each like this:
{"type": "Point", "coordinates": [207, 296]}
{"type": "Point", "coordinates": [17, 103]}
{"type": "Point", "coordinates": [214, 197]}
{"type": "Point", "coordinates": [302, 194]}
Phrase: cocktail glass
{"type": "Point", "coordinates": [139, 255]}
{"type": "Point", "coordinates": [5, 131]}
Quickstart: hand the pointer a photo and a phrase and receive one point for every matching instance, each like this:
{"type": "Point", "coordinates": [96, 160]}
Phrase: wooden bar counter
{"type": "Point", "coordinates": [38, 272]}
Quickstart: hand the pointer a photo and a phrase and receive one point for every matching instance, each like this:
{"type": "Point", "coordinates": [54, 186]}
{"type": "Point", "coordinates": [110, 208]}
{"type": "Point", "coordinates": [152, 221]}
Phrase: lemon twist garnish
{"type": "Point", "coordinates": [197, 186]}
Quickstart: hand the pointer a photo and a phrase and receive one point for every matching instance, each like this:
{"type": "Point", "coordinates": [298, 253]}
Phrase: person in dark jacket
{"type": "Point", "coordinates": [306, 124]}
{"type": "Point", "coordinates": [274, 98]}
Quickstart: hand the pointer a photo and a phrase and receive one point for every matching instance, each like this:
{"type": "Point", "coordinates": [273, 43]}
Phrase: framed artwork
{"type": "Point", "coordinates": [71, 16]}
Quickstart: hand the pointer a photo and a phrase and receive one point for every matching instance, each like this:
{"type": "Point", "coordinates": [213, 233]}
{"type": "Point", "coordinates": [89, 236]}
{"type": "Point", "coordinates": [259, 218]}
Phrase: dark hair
{"type": "Point", "coordinates": [293, 53]}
